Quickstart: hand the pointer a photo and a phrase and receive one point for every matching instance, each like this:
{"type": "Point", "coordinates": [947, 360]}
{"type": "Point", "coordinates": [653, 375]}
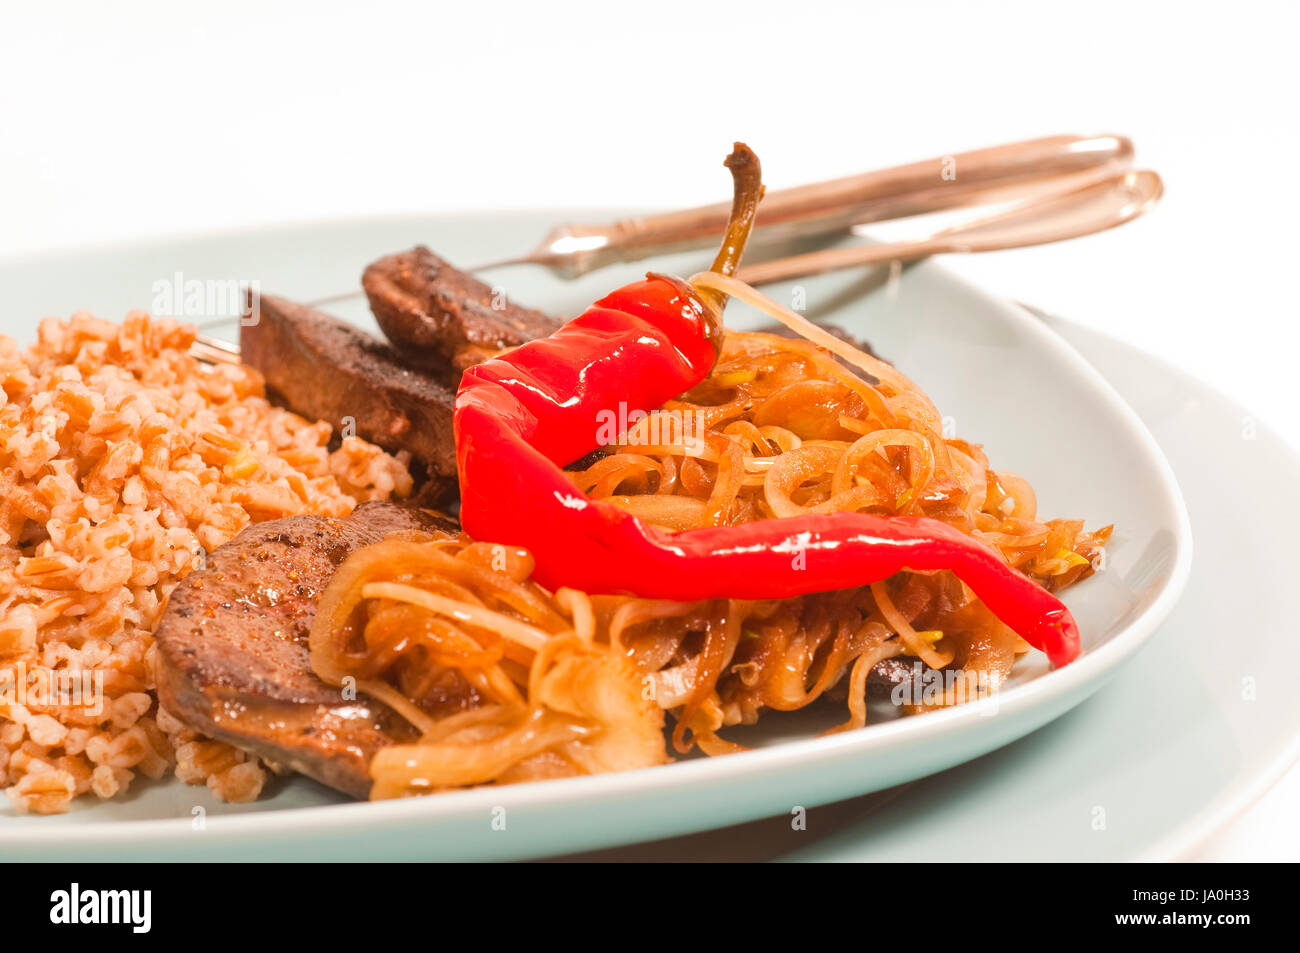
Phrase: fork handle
{"type": "Point", "coordinates": [944, 182]}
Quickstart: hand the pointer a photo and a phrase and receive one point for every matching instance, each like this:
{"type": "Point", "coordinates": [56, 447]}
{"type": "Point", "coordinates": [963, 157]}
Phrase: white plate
{"type": "Point", "coordinates": [1001, 376]}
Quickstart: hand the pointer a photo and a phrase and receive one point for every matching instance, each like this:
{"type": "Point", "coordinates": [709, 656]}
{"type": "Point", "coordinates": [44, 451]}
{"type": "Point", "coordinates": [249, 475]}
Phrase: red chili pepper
{"type": "Point", "coordinates": [521, 417]}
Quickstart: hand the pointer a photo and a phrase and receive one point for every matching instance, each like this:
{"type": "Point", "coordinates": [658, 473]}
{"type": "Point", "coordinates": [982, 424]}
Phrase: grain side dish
{"type": "Point", "coordinates": [124, 461]}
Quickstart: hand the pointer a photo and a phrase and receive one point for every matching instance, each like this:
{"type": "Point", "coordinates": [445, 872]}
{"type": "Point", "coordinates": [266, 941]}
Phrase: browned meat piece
{"type": "Point", "coordinates": [326, 369]}
{"type": "Point", "coordinates": [443, 317]}
{"type": "Point", "coordinates": [232, 647]}
{"type": "Point", "coordinates": [888, 674]}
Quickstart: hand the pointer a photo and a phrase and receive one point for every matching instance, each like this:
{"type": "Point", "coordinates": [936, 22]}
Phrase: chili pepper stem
{"type": "Point", "coordinates": [747, 181]}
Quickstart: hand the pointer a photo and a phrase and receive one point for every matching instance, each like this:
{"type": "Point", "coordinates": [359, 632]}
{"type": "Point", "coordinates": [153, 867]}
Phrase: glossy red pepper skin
{"type": "Point", "coordinates": [521, 417]}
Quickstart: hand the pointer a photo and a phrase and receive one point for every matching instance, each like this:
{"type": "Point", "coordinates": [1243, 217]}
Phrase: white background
{"type": "Point", "coordinates": [142, 118]}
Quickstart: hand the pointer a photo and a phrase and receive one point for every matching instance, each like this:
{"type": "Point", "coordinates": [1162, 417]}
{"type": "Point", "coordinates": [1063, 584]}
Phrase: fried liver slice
{"type": "Point", "coordinates": [232, 646]}
{"type": "Point", "coordinates": [443, 317]}
{"type": "Point", "coordinates": [325, 369]}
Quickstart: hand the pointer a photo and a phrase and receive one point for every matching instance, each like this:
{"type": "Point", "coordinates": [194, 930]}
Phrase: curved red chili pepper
{"type": "Point", "coordinates": [521, 417]}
